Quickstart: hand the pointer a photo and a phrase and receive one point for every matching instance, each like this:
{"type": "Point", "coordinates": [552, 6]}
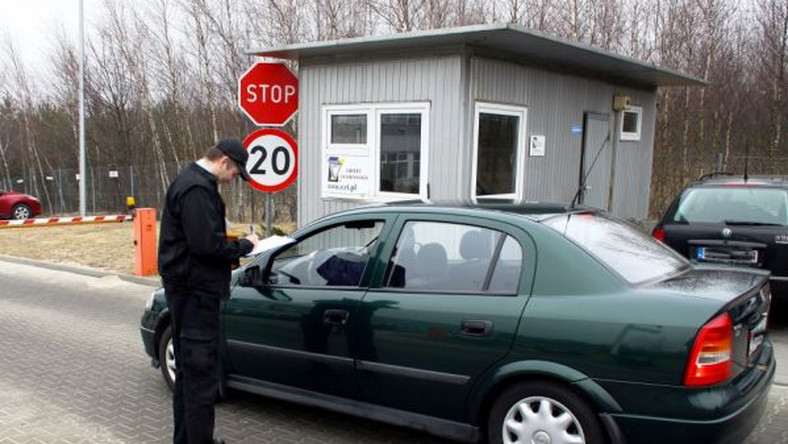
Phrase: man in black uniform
{"type": "Point", "coordinates": [195, 259]}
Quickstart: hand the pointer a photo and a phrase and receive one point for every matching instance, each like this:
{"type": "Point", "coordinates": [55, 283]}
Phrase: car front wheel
{"type": "Point", "coordinates": [21, 211]}
{"type": "Point", "coordinates": [167, 357]}
{"type": "Point", "coordinates": [167, 364]}
{"type": "Point", "coordinates": [542, 412]}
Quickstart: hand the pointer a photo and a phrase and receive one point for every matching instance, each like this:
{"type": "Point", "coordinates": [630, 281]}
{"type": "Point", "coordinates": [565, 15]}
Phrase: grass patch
{"type": "Point", "coordinates": [107, 247]}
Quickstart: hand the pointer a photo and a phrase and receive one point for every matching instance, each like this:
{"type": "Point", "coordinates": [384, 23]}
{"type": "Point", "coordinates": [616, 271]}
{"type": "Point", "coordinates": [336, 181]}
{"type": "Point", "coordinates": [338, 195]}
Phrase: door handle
{"type": "Point", "coordinates": [476, 328]}
{"type": "Point", "coordinates": [335, 317]}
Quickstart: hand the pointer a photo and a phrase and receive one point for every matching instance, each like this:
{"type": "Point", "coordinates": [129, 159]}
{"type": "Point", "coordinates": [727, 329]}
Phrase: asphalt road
{"type": "Point", "coordinates": [72, 370]}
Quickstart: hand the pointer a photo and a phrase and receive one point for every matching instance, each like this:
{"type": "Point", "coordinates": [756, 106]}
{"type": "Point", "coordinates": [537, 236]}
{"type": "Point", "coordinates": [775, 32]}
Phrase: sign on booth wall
{"type": "Point", "coordinates": [347, 176]}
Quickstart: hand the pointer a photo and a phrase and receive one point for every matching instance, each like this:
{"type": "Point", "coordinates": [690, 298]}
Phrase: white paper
{"type": "Point", "coordinates": [271, 243]}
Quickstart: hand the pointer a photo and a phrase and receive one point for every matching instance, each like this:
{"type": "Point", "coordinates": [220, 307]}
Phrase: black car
{"type": "Point", "coordinates": [724, 219]}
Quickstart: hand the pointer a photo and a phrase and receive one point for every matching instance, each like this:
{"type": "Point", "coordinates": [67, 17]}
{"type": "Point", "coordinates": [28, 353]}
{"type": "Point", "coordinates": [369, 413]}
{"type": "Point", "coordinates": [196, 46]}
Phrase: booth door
{"type": "Point", "coordinates": [597, 162]}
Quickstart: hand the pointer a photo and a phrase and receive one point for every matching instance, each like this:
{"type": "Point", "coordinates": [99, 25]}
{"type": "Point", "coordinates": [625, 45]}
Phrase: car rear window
{"type": "Point", "coordinates": [733, 204]}
{"type": "Point", "coordinates": [626, 250]}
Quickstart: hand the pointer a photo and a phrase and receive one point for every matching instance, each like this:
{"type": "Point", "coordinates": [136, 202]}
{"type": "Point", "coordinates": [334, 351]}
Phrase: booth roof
{"type": "Point", "coordinates": [512, 42]}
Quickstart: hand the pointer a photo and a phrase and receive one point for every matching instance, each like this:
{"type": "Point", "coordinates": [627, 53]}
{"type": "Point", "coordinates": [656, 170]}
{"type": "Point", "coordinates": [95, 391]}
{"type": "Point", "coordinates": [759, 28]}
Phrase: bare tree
{"type": "Point", "coordinates": [772, 20]}
{"type": "Point", "coordinates": [21, 81]}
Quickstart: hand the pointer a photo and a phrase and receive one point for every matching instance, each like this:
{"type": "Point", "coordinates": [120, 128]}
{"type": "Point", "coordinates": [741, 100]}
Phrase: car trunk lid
{"type": "Point", "coordinates": [743, 294]}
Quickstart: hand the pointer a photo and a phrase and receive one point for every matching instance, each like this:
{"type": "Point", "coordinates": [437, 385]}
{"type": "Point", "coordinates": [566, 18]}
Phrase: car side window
{"type": "Point", "coordinates": [336, 256]}
{"type": "Point", "coordinates": [454, 257]}
{"type": "Point", "coordinates": [506, 275]}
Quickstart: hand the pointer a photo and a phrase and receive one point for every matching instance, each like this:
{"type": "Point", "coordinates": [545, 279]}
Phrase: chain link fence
{"type": "Point", "coordinates": [108, 187]}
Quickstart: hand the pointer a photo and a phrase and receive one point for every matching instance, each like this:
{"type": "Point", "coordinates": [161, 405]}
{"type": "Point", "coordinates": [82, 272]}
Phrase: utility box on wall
{"type": "Point", "coordinates": [145, 244]}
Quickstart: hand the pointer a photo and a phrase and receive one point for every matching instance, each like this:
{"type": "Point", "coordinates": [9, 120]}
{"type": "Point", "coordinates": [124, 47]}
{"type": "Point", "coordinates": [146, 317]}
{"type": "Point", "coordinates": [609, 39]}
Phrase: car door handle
{"type": "Point", "coordinates": [476, 328]}
{"type": "Point", "coordinates": [335, 317]}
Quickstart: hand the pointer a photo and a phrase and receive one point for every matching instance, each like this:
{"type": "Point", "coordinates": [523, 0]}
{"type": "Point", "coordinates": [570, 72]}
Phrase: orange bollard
{"type": "Point", "coordinates": [145, 242]}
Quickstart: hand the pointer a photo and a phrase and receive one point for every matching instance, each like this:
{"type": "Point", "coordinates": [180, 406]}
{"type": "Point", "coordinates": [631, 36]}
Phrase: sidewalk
{"type": "Point", "coordinates": [152, 281]}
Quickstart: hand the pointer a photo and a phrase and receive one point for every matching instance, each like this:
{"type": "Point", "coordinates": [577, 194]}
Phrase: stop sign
{"type": "Point", "coordinates": [268, 93]}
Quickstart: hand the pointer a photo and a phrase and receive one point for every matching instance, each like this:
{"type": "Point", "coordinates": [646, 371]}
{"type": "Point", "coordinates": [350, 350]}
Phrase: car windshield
{"type": "Point", "coordinates": [626, 250]}
{"type": "Point", "coordinates": [733, 205]}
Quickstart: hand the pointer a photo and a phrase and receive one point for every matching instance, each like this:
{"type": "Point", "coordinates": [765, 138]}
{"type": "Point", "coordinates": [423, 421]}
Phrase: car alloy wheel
{"type": "Point", "coordinates": [167, 357]}
{"type": "Point", "coordinates": [542, 412]}
{"type": "Point", "coordinates": [542, 421]}
{"type": "Point", "coordinates": [21, 212]}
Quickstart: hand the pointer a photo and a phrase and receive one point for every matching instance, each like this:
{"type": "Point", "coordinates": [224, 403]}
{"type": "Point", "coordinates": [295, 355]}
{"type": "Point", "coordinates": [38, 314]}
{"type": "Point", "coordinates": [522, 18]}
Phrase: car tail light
{"type": "Point", "coordinates": [711, 359]}
{"type": "Point", "coordinates": [659, 234]}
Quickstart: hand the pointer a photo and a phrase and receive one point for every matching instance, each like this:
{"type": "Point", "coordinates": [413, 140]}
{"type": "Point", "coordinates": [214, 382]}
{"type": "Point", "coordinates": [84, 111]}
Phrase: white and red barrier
{"type": "Point", "coordinates": [53, 221]}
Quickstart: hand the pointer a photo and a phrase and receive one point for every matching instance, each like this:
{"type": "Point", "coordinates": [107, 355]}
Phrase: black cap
{"type": "Point", "coordinates": [234, 149]}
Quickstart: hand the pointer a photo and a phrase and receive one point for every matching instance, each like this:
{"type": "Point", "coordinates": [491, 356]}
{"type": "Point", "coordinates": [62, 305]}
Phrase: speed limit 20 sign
{"type": "Point", "coordinates": [273, 159]}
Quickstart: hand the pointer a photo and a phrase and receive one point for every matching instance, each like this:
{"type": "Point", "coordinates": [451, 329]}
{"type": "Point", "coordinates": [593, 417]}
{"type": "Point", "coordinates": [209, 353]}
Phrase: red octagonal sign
{"type": "Point", "coordinates": [268, 93]}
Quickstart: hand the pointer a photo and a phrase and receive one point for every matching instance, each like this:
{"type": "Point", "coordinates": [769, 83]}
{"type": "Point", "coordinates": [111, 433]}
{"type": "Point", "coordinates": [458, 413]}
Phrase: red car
{"type": "Point", "coordinates": [14, 205]}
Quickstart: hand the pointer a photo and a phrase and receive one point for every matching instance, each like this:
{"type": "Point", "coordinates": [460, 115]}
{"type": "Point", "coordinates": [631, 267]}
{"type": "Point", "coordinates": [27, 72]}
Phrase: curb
{"type": "Point", "coordinates": [85, 271]}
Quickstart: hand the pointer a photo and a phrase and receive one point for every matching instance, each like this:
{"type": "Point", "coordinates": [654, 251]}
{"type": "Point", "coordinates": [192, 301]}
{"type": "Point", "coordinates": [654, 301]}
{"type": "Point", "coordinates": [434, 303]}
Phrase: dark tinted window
{"type": "Point", "coordinates": [733, 204]}
{"type": "Point", "coordinates": [629, 252]}
{"type": "Point", "coordinates": [400, 152]}
{"type": "Point", "coordinates": [497, 156]}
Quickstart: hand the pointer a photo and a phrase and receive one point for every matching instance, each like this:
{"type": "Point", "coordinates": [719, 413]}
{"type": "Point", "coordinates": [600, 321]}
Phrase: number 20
{"type": "Point", "coordinates": [278, 151]}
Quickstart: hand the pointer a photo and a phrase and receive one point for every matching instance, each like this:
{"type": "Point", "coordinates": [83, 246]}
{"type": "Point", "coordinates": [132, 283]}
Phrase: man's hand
{"type": "Point", "coordinates": [253, 239]}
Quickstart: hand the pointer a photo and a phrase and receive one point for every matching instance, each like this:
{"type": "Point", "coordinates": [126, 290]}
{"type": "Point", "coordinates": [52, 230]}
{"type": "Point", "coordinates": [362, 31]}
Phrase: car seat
{"type": "Point", "coordinates": [430, 267]}
{"type": "Point", "coordinates": [475, 250]}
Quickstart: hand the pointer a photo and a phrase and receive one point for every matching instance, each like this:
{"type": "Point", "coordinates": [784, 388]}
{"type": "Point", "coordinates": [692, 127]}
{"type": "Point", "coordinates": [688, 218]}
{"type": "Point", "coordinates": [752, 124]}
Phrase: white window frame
{"type": "Point", "coordinates": [344, 110]}
{"type": "Point", "coordinates": [631, 136]}
{"type": "Point", "coordinates": [373, 112]}
{"type": "Point", "coordinates": [507, 110]}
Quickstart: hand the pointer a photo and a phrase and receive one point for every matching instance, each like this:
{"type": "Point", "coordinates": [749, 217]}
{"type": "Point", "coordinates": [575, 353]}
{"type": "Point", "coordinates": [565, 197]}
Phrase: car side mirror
{"type": "Point", "coordinates": [250, 277]}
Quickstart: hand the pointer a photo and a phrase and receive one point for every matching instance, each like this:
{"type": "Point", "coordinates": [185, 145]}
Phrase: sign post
{"type": "Point", "coordinates": [272, 164]}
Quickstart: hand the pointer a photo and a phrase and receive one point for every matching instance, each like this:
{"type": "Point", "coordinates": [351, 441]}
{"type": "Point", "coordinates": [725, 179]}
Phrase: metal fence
{"type": "Point", "coordinates": [108, 187]}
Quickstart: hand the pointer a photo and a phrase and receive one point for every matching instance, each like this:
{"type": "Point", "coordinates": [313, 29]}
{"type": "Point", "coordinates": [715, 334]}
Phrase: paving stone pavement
{"type": "Point", "coordinates": [72, 370]}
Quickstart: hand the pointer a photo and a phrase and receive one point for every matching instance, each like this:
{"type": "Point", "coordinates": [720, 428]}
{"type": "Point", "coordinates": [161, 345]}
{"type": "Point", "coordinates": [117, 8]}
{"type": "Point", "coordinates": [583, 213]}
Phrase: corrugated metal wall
{"type": "Point", "coordinates": [433, 79]}
{"type": "Point", "coordinates": [555, 103]}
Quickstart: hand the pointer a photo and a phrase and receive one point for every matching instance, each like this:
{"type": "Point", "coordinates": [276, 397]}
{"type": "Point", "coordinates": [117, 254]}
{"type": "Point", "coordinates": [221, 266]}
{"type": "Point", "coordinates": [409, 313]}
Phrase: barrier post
{"type": "Point", "coordinates": [145, 242]}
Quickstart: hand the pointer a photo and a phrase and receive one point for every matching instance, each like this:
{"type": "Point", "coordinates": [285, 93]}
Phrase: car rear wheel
{"type": "Point", "coordinates": [167, 357]}
{"type": "Point", "coordinates": [542, 412]}
{"type": "Point", "coordinates": [21, 211]}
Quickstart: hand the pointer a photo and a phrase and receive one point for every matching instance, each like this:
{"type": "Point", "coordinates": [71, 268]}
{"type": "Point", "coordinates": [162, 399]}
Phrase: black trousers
{"type": "Point", "coordinates": [195, 335]}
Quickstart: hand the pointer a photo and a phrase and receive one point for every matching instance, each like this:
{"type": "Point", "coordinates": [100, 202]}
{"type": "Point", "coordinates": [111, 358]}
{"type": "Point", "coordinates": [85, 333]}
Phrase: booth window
{"type": "Point", "coordinates": [348, 129]}
{"type": "Point", "coordinates": [498, 151]}
{"type": "Point", "coordinates": [400, 152]}
{"type": "Point", "coordinates": [631, 122]}
{"type": "Point", "coordinates": [378, 150]}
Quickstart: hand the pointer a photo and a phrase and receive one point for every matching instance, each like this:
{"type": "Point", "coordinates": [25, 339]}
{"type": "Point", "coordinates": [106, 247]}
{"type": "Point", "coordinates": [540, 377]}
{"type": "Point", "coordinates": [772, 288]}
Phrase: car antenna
{"type": "Point", "coordinates": [746, 161]}
{"type": "Point", "coordinates": [582, 186]}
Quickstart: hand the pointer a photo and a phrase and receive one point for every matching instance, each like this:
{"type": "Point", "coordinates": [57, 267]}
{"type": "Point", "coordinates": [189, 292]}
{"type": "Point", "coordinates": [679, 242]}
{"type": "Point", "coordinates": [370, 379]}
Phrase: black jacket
{"type": "Point", "coordinates": [194, 251]}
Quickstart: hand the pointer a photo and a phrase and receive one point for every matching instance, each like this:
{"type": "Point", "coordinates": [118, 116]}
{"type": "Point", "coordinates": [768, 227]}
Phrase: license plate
{"type": "Point", "coordinates": [740, 256]}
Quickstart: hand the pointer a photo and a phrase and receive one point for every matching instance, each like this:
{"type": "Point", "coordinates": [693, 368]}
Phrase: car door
{"type": "Point", "coordinates": [444, 308]}
{"type": "Point", "coordinates": [290, 323]}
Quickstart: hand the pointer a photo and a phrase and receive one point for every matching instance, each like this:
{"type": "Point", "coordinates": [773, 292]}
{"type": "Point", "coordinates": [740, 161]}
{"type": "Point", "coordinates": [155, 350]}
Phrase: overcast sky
{"type": "Point", "coordinates": [31, 25]}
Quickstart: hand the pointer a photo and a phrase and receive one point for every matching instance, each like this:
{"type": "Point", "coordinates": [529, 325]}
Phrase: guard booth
{"type": "Point", "coordinates": [481, 113]}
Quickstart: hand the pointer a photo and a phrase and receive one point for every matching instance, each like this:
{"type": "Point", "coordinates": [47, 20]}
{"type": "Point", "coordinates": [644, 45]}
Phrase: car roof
{"type": "Point", "coordinates": [722, 179]}
{"type": "Point", "coordinates": [536, 211]}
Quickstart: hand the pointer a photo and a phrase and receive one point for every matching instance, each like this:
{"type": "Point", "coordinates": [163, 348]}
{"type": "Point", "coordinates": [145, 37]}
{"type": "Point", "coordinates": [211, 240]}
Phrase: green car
{"type": "Point", "coordinates": [538, 324]}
